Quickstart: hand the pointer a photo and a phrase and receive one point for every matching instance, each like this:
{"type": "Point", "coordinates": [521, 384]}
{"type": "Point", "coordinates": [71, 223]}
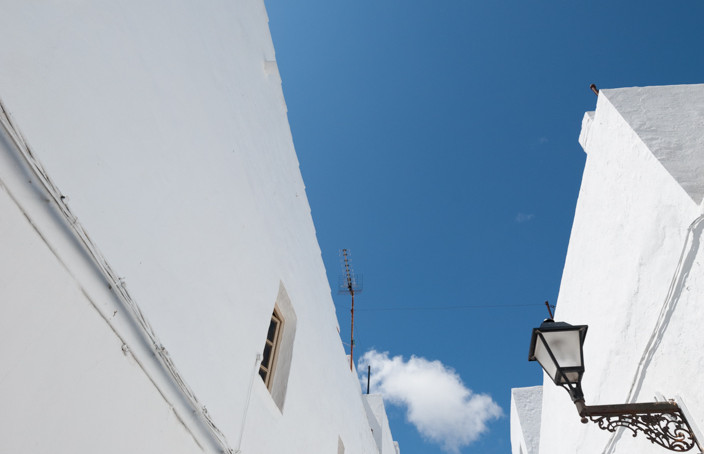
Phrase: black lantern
{"type": "Point", "coordinates": [557, 346]}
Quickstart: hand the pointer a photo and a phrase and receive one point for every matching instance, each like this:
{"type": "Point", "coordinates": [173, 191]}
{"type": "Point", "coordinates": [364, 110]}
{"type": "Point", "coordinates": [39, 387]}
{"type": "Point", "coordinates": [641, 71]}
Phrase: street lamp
{"type": "Point", "coordinates": [557, 346]}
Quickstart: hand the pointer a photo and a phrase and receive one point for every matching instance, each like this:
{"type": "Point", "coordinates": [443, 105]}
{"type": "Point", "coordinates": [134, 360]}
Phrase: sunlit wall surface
{"type": "Point", "coordinates": [163, 126]}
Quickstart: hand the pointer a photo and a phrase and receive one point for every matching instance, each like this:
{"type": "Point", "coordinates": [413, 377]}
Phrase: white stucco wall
{"type": "Point", "coordinates": [633, 271]}
{"type": "Point", "coordinates": [526, 405]}
{"type": "Point", "coordinates": [163, 123]}
{"type": "Point", "coordinates": [75, 375]}
{"type": "Point", "coordinates": [379, 422]}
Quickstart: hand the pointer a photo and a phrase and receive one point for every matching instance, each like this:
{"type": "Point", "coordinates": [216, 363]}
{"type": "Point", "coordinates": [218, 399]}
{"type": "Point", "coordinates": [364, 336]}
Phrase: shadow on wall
{"type": "Point", "coordinates": [674, 293]}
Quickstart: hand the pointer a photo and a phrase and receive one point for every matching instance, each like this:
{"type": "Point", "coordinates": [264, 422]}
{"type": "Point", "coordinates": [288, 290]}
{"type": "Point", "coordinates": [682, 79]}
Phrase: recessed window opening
{"type": "Point", "coordinates": [271, 347]}
{"type": "Point", "coordinates": [278, 348]}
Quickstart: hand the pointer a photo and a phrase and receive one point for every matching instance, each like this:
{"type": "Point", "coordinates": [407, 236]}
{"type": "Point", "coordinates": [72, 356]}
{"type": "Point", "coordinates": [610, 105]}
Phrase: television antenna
{"type": "Point", "coordinates": [350, 283]}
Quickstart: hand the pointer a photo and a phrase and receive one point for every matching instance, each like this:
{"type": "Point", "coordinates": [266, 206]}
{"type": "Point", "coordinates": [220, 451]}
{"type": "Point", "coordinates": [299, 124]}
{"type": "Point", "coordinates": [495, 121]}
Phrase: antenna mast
{"type": "Point", "coordinates": [350, 284]}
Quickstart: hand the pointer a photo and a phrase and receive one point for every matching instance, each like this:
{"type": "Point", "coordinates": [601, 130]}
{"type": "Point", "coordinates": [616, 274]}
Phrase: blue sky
{"type": "Point", "coordinates": [438, 142]}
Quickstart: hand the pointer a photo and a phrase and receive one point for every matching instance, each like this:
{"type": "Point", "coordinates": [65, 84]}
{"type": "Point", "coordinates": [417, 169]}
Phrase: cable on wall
{"type": "Point", "coordinates": [116, 283]}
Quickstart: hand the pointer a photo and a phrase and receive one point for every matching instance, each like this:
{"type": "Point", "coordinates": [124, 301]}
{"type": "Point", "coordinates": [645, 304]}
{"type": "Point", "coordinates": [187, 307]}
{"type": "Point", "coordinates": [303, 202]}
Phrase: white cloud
{"type": "Point", "coordinates": [522, 217]}
{"type": "Point", "coordinates": [437, 403]}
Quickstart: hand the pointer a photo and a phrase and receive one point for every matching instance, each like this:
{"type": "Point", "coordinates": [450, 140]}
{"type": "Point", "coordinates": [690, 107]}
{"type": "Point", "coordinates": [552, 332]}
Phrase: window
{"type": "Point", "coordinates": [271, 347]}
{"type": "Point", "coordinates": [278, 347]}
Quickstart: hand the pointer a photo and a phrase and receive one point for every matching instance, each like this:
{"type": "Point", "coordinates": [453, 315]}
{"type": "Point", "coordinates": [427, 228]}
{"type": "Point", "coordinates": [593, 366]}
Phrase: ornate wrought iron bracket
{"type": "Point", "coordinates": [663, 423]}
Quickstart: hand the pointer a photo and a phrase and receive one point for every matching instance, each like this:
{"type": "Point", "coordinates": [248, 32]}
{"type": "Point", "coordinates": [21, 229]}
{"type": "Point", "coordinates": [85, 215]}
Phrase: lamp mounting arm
{"type": "Point", "coordinates": [663, 423]}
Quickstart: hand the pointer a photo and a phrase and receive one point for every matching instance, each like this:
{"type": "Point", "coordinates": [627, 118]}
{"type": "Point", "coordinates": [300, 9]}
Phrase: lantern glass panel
{"type": "Point", "coordinates": [572, 377]}
{"type": "Point", "coordinates": [565, 346]}
{"type": "Point", "coordinates": [543, 357]}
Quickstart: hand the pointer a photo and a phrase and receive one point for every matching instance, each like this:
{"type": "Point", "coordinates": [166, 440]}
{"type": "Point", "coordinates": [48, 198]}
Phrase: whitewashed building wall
{"type": "Point", "coordinates": [161, 125]}
{"type": "Point", "coordinates": [526, 405]}
{"type": "Point", "coordinates": [633, 271]}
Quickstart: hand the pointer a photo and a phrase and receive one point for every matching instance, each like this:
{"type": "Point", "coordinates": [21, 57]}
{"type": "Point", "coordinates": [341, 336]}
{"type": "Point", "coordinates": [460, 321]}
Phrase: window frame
{"type": "Point", "coordinates": [267, 371]}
